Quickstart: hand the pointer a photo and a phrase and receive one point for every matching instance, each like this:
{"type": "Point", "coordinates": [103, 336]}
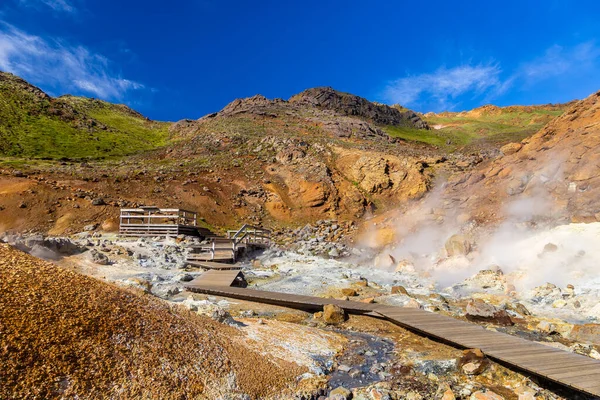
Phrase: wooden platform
{"type": "Point", "coordinates": [218, 278]}
{"type": "Point", "coordinates": [574, 371]}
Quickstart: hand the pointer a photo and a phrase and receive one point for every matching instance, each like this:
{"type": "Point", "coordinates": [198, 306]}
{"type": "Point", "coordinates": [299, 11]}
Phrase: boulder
{"type": "Point", "coordinates": [98, 258]}
{"type": "Point", "coordinates": [457, 245]}
{"type": "Point", "coordinates": [333, 314]}
{"type": "Point", "coordinates": [98, 201]}
{"type": "Point", "coordinates": [480, 311]}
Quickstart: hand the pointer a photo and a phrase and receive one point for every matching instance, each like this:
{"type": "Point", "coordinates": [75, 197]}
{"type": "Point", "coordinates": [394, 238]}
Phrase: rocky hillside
{"type": "Point", "coordinates": [65, 335]}
{"type": "Point", "coordinates": [322, 154]}
{"type": "Point", "coordinates": [33, 124]}
{"type": "Point", "coordinates": [553, 174]}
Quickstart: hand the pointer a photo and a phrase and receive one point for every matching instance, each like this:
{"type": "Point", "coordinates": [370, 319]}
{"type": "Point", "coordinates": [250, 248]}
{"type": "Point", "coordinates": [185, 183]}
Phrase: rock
{"type": "Point", "coordinates": [110, 225]}
{"type": "Point", "coordinates": [546, 327]}
{"type": "Point", "coordinates": [98, 258]}
{"type": "Point", "coordinates": [139, 283]}
{"type": "Point", "coordinates": [488, 279]}
{"type": "Point", "coordinates": [473, 362]}
{"type": "Point", "coordinates": [344, 368]}
{"type": "Point", "coordinates": [22, 205]}
{"type": "Point", "coordinates": [526, 393]}
{"type": "Point", "coordinates": [349, 292]}
{"type": "Point", "coordinates": [333, 315]}
{"type": "Point", "coordinates": [457, 245]}
{"type": "Point", "coordinates": [488, 395]}
{"type": "Point", "coordinates": [340, 393]}
{"type": "Point", "coordinates": [333, 253]}
{"type": "Point", "coordinates": [98, 201]}
{"type": "Point", "coordinates": [587, 333]}
{"type": "Point", "coordinates": [89, 228]}
{"type": "Point", "coordinates": [222, 316]}
{"type": "Point", "coordinates": [399, 290]}
{"type": "Point", "coordinates": [368, 300]}
{"type": "Point", "coordinates": [560, 303]}
{"type": "Point", "coordinates": [186, 278]}
{"type": "Point", "coordinates": [412, 303]}
{"type": "Point", "coordinates": [405, 266]}
{"type": "Point", "coordinates": [480, 311]}
{"type": "Point", "coordinates": [448, 395]}
{"type": "Point", "coordinates": [510, 148]}
{"type": "Point", "coordinates": [550, 248]}
{"type": "Point", "coordinates": [521, 309]}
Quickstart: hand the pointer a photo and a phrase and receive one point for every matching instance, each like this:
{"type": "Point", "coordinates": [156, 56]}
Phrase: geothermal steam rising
{"type": "Point", "coordinates": [517, 245]}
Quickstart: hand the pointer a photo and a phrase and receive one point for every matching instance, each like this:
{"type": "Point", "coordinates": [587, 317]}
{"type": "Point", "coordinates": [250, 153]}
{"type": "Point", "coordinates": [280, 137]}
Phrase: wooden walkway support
{"type": "Point", "coordinates": [571, 370]}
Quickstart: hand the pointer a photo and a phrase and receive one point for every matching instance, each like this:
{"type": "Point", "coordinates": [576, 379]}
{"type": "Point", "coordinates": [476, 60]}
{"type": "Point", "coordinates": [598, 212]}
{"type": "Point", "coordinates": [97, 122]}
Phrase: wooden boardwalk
{"type": "Point", "coordinates": [574, 371]}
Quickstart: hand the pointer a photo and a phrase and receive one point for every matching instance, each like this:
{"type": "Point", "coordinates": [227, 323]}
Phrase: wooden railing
{"type": "Point", "coordinates": [154, 221]}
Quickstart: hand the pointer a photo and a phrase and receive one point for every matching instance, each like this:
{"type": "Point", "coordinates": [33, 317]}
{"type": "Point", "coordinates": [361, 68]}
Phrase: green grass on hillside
{"type": "Point", "coordinates": [497, 129]}
{"type": "Point", "coordinates": [33, 125]}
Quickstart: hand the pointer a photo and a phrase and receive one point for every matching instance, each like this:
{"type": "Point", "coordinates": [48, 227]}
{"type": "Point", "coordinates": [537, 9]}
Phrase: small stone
{"type": "Point", "coordinates": [349, 292]}
{"type": "Point", "coordinates": [489, 395]}
{"type": "Point", "coordinates": [546, 327]}
{"type": "Point", "coordinates": [89, 228]}
{"type": "Point", "coordinates": [457, 245]}
{"type": "Point", "coordinates": [368, 300]}
{"type": "Point", "coordinates": [399, 290]}
{"type": "Point", "coordinates": [340, 393]}
{"type": "Point", "coordinates": [560, 303]}
{"type": "Point", "coordinates": [550, 248]}
{"type": "Point", "coordinates": [344, 368]}
{"type": "Point", "coordinates": [333, 314]}
{"type": "Point", "coordinates": [412, 303]}
{"type": "Point", "coordinates": [99, 201]}
{"type": "Point", "coordinates": [22, 205]}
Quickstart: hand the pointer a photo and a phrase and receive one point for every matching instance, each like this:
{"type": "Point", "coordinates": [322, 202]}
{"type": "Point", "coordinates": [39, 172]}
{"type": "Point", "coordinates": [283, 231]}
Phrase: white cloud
{"type": "Point", "coordinates": [558, 60]}
{"type": "Point", "coordinates": [53, 63]}
{"type": "Point", "coordinates": [444, 85]}
{"type": "Point", "coordinates": [56, 5]}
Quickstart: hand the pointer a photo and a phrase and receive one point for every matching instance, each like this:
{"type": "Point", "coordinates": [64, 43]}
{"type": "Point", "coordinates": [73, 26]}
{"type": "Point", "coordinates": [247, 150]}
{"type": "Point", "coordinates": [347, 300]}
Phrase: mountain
{"type": "Point", "coordinates": [36, 125]}
{"type": "Point", "coordinates": [320, 154]}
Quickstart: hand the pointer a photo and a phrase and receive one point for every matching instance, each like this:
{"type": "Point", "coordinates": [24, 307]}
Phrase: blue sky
{"type": "Point", "coordinates": [183, 59]}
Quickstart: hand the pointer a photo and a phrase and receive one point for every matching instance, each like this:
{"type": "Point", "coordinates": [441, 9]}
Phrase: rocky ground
{"type": "Point", "coordinates": [370, 359]}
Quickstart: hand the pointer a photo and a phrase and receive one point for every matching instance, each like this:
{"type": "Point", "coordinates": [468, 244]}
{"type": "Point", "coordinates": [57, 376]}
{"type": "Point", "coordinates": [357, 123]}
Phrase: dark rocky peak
{"type": "Point", "coordinates": [351, 105]}
{"type": "Point", "coordinates": [249, 104]}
